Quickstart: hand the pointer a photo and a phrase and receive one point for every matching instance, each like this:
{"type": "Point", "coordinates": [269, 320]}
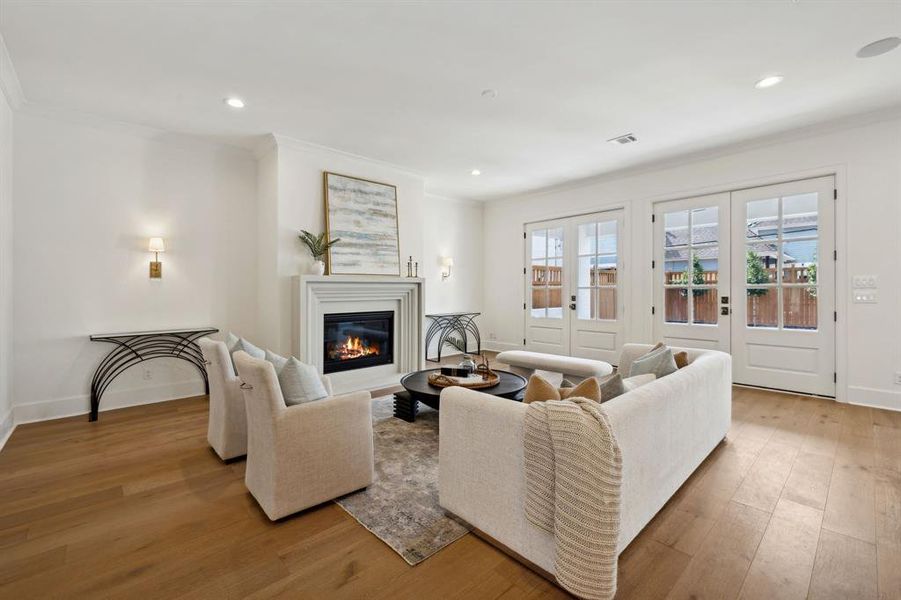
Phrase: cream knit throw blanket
{"type": "Point", "coordinates": [573, 474]}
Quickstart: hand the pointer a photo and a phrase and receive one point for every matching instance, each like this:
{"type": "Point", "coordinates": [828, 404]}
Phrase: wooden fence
{"type": "Point", "coordinates": [762, 310]}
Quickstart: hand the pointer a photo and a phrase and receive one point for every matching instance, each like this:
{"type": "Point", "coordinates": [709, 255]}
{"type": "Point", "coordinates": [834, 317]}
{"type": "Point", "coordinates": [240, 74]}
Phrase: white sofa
{"type": "Point", "coordinates": [665, 429]}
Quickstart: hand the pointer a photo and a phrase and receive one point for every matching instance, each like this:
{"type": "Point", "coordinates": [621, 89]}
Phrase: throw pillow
{"type": "Point", "coordinates": [300, 383]}
{"type": "Point", "coordinates": [681, 359]}
{"type": "Point", "coordinates": [235, 343]}
{"type": "Point", "coordinates": [277, 361]}
{"type": "Point", "coordinates": [658, 361]}
{"type": "Point", "coordinates": [541, 390]}
{"type": "Point", "coordinates": [611, 387]}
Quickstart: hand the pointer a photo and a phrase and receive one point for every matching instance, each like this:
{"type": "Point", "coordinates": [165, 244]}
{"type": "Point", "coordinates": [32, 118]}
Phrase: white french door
{"type": "Point", "coordinates": [783, 331]}
{"type": "Point", "coordinates": [691, 285]}
{"type": "Point", "coordinates": [574, 300]}
{"type": "Point", "coordinates": [752, 272]}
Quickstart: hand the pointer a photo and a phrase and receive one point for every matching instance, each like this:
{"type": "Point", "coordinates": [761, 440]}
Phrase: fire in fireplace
{"type": "Point", "coordinates": [357, 340]}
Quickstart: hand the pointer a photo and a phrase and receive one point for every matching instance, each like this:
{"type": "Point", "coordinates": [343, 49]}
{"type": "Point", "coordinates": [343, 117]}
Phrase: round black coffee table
{"type": "Point", "coordinates": [418, 389]}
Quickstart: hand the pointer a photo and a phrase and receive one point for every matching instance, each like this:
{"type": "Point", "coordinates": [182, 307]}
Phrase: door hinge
{"type": "Point", "coordinates": [653, 264]}
{"type": "Point", "coordinates": [835, 316]}
{"type": "Point", "coordinates": [523, 270]}
{"type": "Point", "coordinates": [835, 255]}
{"type": "Point", "coordinates": [653, 218]}
{"type": "Point", "coordinates": [523, 305]}
{"type": "Point", "coordinates": [523, 235]}
{"type": "Point", "coordinates": [652, 310]}
{"type": "Point", "coordinates": [834, 377]}
{"type": "Point", "coordinates": [835, 193]}
{"type": "Point", "coordinates": [523, 341]}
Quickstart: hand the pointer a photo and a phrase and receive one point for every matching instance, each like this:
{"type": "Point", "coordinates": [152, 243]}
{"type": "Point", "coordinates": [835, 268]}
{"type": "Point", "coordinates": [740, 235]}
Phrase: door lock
{"type": "Point", "coordinates": [724, 299]}
{"type": "Point", "coordinates": [572, 306]}
{"type": "Point", "coordinates": [724, 310]}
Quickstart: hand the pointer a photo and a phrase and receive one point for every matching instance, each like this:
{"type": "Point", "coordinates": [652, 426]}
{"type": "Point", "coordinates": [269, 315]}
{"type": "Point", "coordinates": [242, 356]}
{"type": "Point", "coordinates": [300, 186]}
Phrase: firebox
{"type": "Point", "coordinates": [357, 340]}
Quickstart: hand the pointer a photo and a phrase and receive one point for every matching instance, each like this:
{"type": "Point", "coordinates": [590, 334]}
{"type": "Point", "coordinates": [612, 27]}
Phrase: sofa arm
{"type": "Point", "coordinates": [481, 470]}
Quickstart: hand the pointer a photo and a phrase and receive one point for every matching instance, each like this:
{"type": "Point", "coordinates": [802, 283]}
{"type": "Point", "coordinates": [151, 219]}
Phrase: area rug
{"type": "Point", "coordinates": [401, 506]}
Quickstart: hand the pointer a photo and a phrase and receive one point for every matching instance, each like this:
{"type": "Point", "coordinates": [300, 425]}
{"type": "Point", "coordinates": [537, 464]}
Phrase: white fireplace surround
{"type": "Point", "coordinates": [318, 295]}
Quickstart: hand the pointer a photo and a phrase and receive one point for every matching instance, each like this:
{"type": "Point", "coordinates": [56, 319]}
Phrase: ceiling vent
{"type": "Point", "coordinates": [626, 138]}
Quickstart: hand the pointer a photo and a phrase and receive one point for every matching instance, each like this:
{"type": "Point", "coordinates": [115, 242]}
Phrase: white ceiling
{"type": "Point", "coordinates": [402, 82]}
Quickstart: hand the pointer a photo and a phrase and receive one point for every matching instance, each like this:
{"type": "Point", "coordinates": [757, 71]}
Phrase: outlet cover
{"type": "Point", "coordinates": [865, 281]}
{"type": "Point", "coordinates": [897, 377]}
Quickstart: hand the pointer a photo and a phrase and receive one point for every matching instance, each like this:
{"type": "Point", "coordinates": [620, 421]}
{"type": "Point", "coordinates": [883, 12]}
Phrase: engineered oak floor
{"type": "Point", "coordinates": [803, 499]}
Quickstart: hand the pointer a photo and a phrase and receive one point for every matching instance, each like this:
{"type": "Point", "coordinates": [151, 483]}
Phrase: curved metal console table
{"type": "Point", "coordinates": [445, 325]}
{"type": "Point", "coordinates": [138, 346]}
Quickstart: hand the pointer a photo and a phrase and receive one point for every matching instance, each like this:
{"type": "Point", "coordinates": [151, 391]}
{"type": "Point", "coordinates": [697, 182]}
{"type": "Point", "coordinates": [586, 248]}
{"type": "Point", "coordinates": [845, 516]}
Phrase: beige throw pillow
{"type": "Point", "coordinates": [540, 389]}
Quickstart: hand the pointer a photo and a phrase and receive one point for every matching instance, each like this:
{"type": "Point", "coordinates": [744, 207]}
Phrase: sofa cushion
{"type": "Point", "coordinates": [659, 362]}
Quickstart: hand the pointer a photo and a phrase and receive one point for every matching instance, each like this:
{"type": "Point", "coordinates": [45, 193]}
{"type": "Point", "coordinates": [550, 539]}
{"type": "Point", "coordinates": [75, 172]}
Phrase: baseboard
{"type": "Point", "coordinates": [81, 405]}
{"type": "Point", "coordinates": [496, 346]}
{"type": "Point", "coordinates": [7, 426]}
{"type": "Point", "coordinates": [873, 397]}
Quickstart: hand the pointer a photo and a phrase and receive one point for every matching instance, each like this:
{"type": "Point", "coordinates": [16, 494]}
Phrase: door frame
{"type": "Point", "coordinates": [645, 251]}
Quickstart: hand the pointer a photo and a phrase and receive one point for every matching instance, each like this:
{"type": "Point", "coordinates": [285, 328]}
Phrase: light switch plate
{"type": "Point", "coordinates": [865, 281]}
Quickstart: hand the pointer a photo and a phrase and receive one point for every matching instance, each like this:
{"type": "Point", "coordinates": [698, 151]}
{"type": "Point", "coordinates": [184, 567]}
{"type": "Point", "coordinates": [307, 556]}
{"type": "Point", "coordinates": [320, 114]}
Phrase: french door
{"type": "Point", "coordinates": [752, 272]}
{"type": "Point", "coordinates": [574, 302]}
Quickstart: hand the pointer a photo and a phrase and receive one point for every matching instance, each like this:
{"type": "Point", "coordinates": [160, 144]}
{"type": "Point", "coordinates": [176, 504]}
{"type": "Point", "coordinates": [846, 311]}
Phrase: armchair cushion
{"type": "Point", "coordinates": [300, 382]}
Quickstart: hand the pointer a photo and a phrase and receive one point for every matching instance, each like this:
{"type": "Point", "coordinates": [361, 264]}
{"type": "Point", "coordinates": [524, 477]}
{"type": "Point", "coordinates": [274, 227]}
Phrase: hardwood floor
{"type": "Point", "coordinates": [803, 499]}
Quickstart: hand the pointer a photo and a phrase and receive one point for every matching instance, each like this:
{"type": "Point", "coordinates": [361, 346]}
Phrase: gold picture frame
{"type": "Point", "coordinates": [370, 249]}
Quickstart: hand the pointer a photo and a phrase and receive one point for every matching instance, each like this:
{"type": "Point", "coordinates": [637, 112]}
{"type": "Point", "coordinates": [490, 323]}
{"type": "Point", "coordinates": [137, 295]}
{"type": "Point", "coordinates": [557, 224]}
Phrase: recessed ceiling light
{"type": "Point", "coordinates": [489, 93]}
{"type": "Point", "coordinates": [879, 47]}
{"type": "Point", "coordinates": [770, 81]}
{"type": "Point", "coordinates": [476, 172]}
{"type": "Point", "coordinates": [234, 102]}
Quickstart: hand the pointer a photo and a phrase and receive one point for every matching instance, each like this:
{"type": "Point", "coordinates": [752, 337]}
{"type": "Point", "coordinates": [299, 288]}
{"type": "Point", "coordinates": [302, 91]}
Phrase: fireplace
{"type": "Point", "coordinates": [357, 340]}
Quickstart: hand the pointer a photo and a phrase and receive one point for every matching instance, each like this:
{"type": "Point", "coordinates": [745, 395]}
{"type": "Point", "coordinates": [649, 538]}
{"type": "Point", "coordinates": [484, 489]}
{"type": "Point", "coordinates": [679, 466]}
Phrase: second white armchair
{"type": "Point", "coordinates": [303, 455]}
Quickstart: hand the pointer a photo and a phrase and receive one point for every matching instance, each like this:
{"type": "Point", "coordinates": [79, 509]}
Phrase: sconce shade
{"type": "Point", "coordinates": [157, 245]}
{"type": "Point", "coordinates": [447, 261]}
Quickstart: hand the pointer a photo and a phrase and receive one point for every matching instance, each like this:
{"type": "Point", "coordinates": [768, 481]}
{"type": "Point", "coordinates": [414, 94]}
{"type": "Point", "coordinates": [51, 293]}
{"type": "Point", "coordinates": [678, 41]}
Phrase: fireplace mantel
{"type": "Point", "coordinates": [318, 295]}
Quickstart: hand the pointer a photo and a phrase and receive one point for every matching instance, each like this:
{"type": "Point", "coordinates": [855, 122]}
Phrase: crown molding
{"type": "Point", "coordinates": [289, 142]}
{"type": "Point", "coordinates": [9, 80]}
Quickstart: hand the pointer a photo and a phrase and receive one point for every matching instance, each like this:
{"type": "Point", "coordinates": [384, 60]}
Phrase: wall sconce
{"type": "Point", "coordinates": [446, 263]}
{"type": "Point", "coordinates": [156, 267]}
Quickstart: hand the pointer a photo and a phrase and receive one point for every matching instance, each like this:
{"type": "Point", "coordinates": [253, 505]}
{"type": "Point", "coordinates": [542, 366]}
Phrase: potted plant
{"type": "Point", "coordinates": [318, 247]}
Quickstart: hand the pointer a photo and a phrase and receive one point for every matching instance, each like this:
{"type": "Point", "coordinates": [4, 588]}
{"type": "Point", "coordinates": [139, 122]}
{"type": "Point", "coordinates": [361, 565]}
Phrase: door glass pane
{"type": "Point", "coordinates": [585, 303]}
{"type": "Point", "coordinates": [705, 225]}
{"type": "Point", "coordinates": [799, 216]}
{"type": "Point", "coordinates": [799, 261]}
{"type": "Point", "coordinates": [763, 306]}
{"type": "Point", "coordinates": [763, 219]}
{"type": "Point", "coordinates": [761, 260]}
{"type": "Point", "coordinates": [676, 305]}
{"type": "Point", "coordinates": [539, 243]}
{"type": "Point", "coordinates": [606, 270]}
{"type": "Point", "coordinates": [539, 302]}
{"type": "Point", "coordinates": [607, 237]}
{"type": "Point", "coordinates": [539, 272]}
{"type": "Point", "coordinates": [555, 288]}
{"type": "Point", "coordinates": [588, 238]}
{"type": "Point", "coordinates": [675, 266]}
{"type": "Point", "coordinates": [705, 308]}
{"type": "Point", "coordinates": [585, 275]}
{"type": "Point", "coordinates": [799, 309]}
{"type": "Point", "coordinates": [555, 242]}
{"type": "Point", "coordinates": [675, 229]}
{"type": "Point", "coordinates": [705, 265]}
{"type": "Point", "coordinates": [607, 303]}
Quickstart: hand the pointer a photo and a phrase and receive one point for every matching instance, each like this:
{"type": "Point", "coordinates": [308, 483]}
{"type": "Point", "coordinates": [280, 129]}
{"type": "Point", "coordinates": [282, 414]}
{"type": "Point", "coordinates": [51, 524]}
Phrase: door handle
{"type": "Point", "coordinates": [724, 310]}
{"type": "Point", "coordinates": [572, 306]}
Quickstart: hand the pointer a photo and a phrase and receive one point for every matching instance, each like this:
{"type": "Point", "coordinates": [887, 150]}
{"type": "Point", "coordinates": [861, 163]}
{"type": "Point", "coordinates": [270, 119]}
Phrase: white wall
{"type": "Point", "coordinates": [297, 204]}
{"type": "Point", "coordinates": [867, 160]}
{"type": "Point", "coordinates": [6, 267]}
{"type": "Point", "coordinates": [452, 227]}
{"type": "Point", "coordinates": [88, 197]}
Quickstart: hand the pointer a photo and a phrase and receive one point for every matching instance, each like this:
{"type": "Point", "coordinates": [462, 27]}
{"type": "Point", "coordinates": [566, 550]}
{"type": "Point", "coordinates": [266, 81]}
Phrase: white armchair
{"type": "Point", "coordinates": [227, 429]}
{"type": "Point", "coordinates": [303, 455]}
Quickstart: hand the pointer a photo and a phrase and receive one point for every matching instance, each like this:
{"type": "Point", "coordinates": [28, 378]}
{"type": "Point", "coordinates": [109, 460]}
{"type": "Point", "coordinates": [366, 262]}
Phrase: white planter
{"type": "Point", "coordinates": [317, 268]}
